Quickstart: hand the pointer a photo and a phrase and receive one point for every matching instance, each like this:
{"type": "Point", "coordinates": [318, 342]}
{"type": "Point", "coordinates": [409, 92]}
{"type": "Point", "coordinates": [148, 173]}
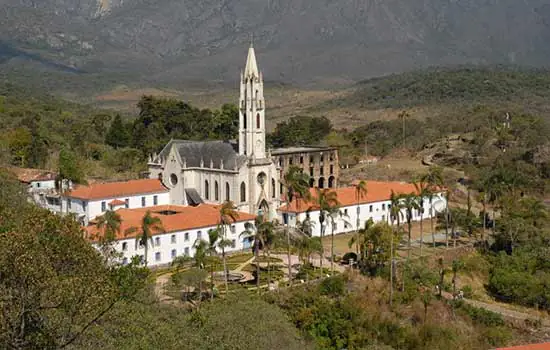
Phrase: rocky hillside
{"type": "Point", "coordinates": [298, 41]}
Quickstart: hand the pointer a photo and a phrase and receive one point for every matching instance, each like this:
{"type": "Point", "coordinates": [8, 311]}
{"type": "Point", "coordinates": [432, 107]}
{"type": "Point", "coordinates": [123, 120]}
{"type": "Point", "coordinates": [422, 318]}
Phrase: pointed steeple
{"type": "Point", "coordinates": [251, 68]}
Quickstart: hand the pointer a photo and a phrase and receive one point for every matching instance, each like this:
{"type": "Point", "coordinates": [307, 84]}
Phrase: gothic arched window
{"type": "Point", "coordinates": [227, 192]}
{"type": "Point", "coordinates": [216, 191]}
{"type": "Point", "coordinates": [206, 190]}
{"type": "Point", "coordinates": [258, 121]}
{"type": "Point", "coordinates": [243, 192]}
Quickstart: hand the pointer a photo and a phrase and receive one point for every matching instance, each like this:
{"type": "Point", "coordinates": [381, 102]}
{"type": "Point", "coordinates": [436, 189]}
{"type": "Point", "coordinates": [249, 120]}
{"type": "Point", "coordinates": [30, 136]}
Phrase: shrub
{"type": "Point", "coordinates": [482, 316]}
{"type": "Point", "coordinates": [332, 286]}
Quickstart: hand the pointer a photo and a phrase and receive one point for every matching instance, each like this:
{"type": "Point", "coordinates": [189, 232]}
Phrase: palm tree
{"type": "Point", "coordinates": [360, 239]}
{"type": "Point", "coordinates": [422, 191]}
{"type": "Point", "coordinates": [327, 201]}
{"type": "Point", "coordinates": [434, 179]}
{"type": "Point", "coordinates": [360, 193]}
{"type": "Point", "coordinates": [395, 216]}
{"type": "Point", "coordinates": [149, 225]}
{"type": "Point", "coordinates": [110, 222]}
{"type": "Point", "coordinates": [228, 215]}
{"type": "Point", "coordinates": [200, 258]}
{"type": "Point", "coordinates": [296, 183]}
{"type": "Point", "coordinates": [334, 213]}
{"type": "Point", "coordinates": [254, 232]}
{"type": "Point", "coordinates": [213, 237]}
{"type": "Point", "coordinates": [410, 204]}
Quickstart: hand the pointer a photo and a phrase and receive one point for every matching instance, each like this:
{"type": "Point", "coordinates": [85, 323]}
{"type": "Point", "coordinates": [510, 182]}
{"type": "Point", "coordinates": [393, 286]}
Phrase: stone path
{"type": "Point", "coordinates": [503, 311]}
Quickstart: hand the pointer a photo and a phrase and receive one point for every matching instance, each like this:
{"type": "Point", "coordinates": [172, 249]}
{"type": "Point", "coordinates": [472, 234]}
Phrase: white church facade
{"type": "Point", "coordinates": [213, 171]}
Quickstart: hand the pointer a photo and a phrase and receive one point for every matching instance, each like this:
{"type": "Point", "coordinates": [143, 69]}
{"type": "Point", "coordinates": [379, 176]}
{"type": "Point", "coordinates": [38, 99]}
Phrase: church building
{"type": "Point", "coordinates": [214, 171]}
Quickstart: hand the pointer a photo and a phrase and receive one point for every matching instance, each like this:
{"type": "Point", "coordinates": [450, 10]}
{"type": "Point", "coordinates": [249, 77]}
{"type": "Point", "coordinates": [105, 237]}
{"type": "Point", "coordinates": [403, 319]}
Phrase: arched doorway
{"type": "Point", "coordinates": [331, 182]}
{"type": "Point", "coordinates": [321, 182]}
{"type": "Point", "coordinates": [311, 182]}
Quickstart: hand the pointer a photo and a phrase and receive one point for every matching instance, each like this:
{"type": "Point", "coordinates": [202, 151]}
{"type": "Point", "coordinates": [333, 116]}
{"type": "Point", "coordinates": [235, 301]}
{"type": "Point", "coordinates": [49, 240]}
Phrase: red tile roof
{"type": "Point", "coordinates": [28, 175]}
{"type": "Point", "coordinates": [181, 218]}
{"type": "Point", "coordinates": [542, 346]}
{"type": "Point", "coordinates": [117, 189]}
{"type": "Point", "coordinates": [377, 191]}
{"type": "Point", "coordinates": [116, 202]}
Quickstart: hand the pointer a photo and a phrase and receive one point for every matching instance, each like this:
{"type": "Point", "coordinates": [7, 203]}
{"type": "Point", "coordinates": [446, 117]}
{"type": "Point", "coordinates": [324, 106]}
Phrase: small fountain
{"type": "Point", "coordinates": [232, 277]}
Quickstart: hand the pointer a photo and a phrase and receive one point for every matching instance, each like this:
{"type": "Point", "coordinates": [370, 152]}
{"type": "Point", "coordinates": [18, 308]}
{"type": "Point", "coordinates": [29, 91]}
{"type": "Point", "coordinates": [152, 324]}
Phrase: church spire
{"type": "Point", "coordinates": [251, 68]}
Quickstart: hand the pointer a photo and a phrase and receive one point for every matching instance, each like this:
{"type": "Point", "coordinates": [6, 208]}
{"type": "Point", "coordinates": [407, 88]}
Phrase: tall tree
{"type": "Point", "coordinates": [118, 135]}
{"type": "Point", "coordinates": [228, 215]}
{"type": "Point", "coordinates": [70, 169]}
{"type": "Point", "coordinates": [54, 284]}
{"type": "Point", "coordinates": [434, 179]}
{"type": "Point", "coordinates": [410, 204]}
{"type": "Point", "coordinates": [296, 184]}
{"type": "Point", "coordinates": [149, 225]}
{"type": "Point", "coordinates": [422, 192]}
{"type": "Point", "coordinates": [329, 210]}
{"type": "Point", "coordinates": [360, 193]}
{"type": "Point", "coordinates": [255, 233]}
{"type": "Point", "coordinates": [109, 223]}
{"type": "Point", "coordinates": [360, 240]}
{"type": "Point", "coordinates": [396, 213]}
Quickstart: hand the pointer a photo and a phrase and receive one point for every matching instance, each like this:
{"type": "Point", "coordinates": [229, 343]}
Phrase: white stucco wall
{"type": "Point", "coordinates": [42, 185]}
{"type": "Point", "coordinates": [378, 211]}
{"type": "Point", "coordinates": [93, 208]}
{"type": "Point", "coordinates": [162, 248]}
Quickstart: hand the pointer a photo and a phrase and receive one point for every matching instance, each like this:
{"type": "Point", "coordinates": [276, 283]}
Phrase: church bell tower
{"type": "Point", "coordinates": [252, 110]}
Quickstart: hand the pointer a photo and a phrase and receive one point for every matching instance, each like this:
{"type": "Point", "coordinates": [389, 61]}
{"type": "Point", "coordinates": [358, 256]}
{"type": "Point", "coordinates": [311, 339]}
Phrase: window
{"type": "Point", "coordinates": [143, 201]}
{"type": "Point", "coordinates": [322, 158]}
{"type": "Point", "coordinates": [124, 246]}
{"type": "Point", "coordinates": [103, 206]}
{"type": "Point", "coordinates": [227, 191]}
{"type": "Point", "coordinates": [331, 169]}
{"type": "Point", "coordinates": [273, 188]}
{"type": "Point", "coordinates": [216, 191]}
{"type": "Point", "coordinates": [321, 171]}
{"type": "Point", "coordinates": [311, 160]}
{"type": "Point", "coordinates": [157, 256]}
{"type": "Point", "coordinates": [84, 206]}
{"type": "Point", "coordinates": [281, 188]}
{"type": "Point", "coordinates": [233, 243]}
{"type": "Point", "coordinates": [155, 200]}
{"type": "Point", "coordinates": [186, 251]}
{"type": "Point", "coordinates": [243, 192]}
{"type": "Point", "coordinates": [233, 229]}
{"type": "Point", "coordinates": [370, 208]}
{"type": "Point", "coordinates": [157, 241]}
{"type": "Point", "coordinates": [331, 157]}
{"type": "Point", "coordinates": [358, 210]}
{"type": "Point", "coordinates": [345, 212]}
{"type": "Point", "coordinates": [280, 161]}
{"type": "Point", "coordinates": [173, 239]}
{"type": "Point", "coordinates": [173, 179]}
{"type": "Point", "coordinates": [68, 203]}
{"type": "Point", "coordinates": [174, 253]}
{"type": "Point", "coordinates": [383, 206]}
{"type": "Point", "coordinates": [125, 261]}
{"type": "Point", "coordinates": [258, 121]}
{"type": "Point", "coordinates": [301, 160]}
{"type": "Point", "coordinates": [389, 206]}
{"type": "Point", "coordinates": [127, 203]}
{"type": "Point", "coordinates": [38, 185]}
{"type": "Point", "coordinates": [199, 235]}
{"type": "Point", "coordinates": [311, 171]}
{"type": "Point", "coordinates": [186, 236]}
{"type": "Point", "coordinates": [206, 190]}
{"type": "Point", "coordinates": [290, 160]}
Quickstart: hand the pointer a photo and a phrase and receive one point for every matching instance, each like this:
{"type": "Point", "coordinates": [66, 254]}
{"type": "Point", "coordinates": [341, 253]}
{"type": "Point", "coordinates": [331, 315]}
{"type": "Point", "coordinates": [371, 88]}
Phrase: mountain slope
{"type": "Point", "coordinates": [298, 41]}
